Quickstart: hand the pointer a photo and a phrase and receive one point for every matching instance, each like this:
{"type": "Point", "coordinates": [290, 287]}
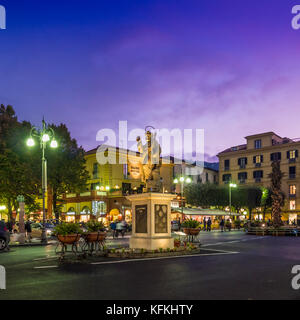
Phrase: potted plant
{"type": "Point", "coordinates": [191, 227]}
{"type": "Point", "coordinates": [176, 243]}
{"type": "Point", "coordinates": [68, 233]}
{"type": "Point", "coordinates": [96, 231]}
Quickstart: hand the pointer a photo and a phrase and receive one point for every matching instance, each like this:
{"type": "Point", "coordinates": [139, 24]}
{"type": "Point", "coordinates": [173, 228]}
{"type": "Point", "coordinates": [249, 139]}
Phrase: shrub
{"type": "Point", "coordinates": [67, 228]}
{"type": "Point", "coordinates": [190, 223]}
{"type": "Point", "coordinates": [95, 226]}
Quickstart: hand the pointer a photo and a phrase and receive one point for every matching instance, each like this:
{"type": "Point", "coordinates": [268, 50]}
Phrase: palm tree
{"type": "Point", "coordinates": [277, 196]}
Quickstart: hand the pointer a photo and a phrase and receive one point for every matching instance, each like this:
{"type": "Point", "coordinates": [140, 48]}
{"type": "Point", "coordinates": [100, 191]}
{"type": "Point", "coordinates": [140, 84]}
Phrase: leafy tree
{"type": "Point", "coordinates": [66, 166]}
{"type": "Point", "coordinates": [16, 172]}
{"type": "Point", "coordinates": [277, 195]}
{"type": "Point", "coordinates": [206, 195]}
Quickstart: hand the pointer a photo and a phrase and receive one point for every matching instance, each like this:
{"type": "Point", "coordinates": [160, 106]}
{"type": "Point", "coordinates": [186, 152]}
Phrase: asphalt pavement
{"type": "Point", "coordinates": [234, 266]}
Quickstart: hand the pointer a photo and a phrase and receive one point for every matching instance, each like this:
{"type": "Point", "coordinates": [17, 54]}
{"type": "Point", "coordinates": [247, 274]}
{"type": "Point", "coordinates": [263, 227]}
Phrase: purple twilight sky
{"type": "Point", "coordinates": [230, 67]}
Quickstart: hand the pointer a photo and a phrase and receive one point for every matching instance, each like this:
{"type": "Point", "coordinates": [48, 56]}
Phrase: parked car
{"type": "Point", "coordinates": [36, 229]}
{"type": "Point", "coordinates": [4, 236]}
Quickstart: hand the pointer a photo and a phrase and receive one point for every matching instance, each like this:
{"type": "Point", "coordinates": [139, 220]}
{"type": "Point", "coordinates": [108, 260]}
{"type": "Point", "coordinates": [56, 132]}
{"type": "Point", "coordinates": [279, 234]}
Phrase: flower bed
{"type": "Point", "coordinates": [142, 253]}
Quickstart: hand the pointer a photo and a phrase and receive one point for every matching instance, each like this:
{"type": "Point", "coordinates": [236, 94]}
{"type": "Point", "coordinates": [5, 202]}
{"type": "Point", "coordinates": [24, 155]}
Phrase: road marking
{"type": "Point", "coordinates": [48, 258]}
{"type": "Point", "coordinates": [234, 241]}
{"type": "Point", "coordinates": [45, 267]}
{"type": "Point", "coordinates": [162, 258]}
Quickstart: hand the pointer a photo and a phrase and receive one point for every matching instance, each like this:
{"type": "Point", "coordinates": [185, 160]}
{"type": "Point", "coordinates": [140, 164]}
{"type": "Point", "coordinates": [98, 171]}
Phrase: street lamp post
{"type": "Point", "coordinates": [182, 181]}
{"type": "Point", "coordinates": [231, 185]}
{"type": "Point", "coordinates": [45, 134]}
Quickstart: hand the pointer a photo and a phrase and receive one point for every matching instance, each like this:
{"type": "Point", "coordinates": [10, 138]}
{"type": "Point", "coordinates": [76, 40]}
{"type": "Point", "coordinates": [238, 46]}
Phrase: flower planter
{"type": "Point", "coordinates": [191, 231]}
{"type": "Point", "coordinates": [176, 243]}
{"type": "Point", "coordinates": [68, 239]}
{"type": "Point", "coordinates": [95, 236]}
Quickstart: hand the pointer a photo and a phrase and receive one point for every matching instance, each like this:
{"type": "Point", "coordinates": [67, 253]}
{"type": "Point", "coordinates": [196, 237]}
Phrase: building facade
{"type": "Point", "coordinates": [251, 164]}
{"type": "Point", "coordinates": [109, 183]}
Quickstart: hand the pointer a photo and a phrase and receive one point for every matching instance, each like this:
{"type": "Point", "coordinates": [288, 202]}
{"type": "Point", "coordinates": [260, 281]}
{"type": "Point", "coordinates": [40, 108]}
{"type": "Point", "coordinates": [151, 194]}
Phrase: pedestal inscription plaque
{"type": "Point", "coordinates": [141, 219]}
{"type": "Point", "coordinates": [161, 218]}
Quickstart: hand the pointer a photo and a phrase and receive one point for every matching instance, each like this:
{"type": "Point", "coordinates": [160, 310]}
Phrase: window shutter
{"type": "Point", "coordinates": [239, 161]}
{"type": "Point", "coordinates": [296, 153]}
{"type": "Point", "coordinates": [261, 158]}
{"type": "Point", "coordinates": [254, 159]}
{"type": "Point", "coordinates": [246, 161]}
{"type": "Point", "coordinates": [279, 156]}
{"type": "Point", "coordinates": [272, 156]}
{"type": "Point", "coordinates": [288, 155]}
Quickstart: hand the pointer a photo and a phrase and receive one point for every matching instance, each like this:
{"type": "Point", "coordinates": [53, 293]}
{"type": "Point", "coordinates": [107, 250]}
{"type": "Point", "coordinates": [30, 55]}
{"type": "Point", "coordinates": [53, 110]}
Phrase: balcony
{"type": "Point", "coordinates": [257, 165]}
{"type": "Point", "coordinates": [292, 160]}
{"type": "Point", "coordinates": [243, 166]}
{"type": "Point", "coordinates": [257, 180]}
{"type": "Point", "coordinates": [292, 176]}
{"type": "Point", "coordinates": [226, 168]}
{"type": "Point", "coordinates": [242, 181]}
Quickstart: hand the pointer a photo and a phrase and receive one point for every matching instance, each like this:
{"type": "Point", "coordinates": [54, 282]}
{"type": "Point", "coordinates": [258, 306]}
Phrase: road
{"type": "Point", "coordinates": [253, 268]}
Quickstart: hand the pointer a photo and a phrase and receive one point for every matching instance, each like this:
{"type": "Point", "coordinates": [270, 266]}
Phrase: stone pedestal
{"type": "Point", "coordinates": [151, 221]}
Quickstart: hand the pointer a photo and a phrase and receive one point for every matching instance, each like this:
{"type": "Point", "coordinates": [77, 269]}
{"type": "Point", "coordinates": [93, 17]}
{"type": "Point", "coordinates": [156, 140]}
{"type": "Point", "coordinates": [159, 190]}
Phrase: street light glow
{"type": "Point", "coordinates": [175, 180]}
{"type": "Point", "coordinates": [30, 142]}
{"type": "Point", "coordinates": [232, 185]}
{"type": "Point", "coordinates": [107, 188]}
{"type": "Point", "coordinates": [45, 137]}
{"type": "Point", "coordinates": [188, 180]}
{"type": "Point", "coordinates": [2, 208]}
{"type": "Point", "coordinates": [181, 179]}
{"type": "Point", "coordinates": [53, 144]}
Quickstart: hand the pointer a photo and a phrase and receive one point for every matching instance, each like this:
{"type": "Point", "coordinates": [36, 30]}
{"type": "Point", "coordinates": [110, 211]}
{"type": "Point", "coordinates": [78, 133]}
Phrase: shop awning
{"type": "Point", "coordinates": [205, 212]}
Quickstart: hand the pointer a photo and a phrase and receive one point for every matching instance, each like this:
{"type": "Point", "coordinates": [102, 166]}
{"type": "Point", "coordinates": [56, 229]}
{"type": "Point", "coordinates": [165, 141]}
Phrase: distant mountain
{"type": "Point", "coordinates": [209, 165]}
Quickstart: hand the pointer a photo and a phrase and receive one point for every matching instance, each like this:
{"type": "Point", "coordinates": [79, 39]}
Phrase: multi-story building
{"type": "Point", "coordinates": [109, 184]}
{"type": "Point", "coordinates": [251, 164]}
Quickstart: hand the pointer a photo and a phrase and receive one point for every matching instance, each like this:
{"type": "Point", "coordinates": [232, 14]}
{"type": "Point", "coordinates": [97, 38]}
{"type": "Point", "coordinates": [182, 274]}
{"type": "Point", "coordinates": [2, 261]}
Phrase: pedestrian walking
{"type": "Point", "coordinates": [113, 226]}
{"type": "Point", "coordinates": [28, 230]}
{"type": "Point", "coordinates": [120, 229]}
{"type": "Point", "coordinates": [204, 224]}
{"type": "Point", "coordinates": [209, 222]}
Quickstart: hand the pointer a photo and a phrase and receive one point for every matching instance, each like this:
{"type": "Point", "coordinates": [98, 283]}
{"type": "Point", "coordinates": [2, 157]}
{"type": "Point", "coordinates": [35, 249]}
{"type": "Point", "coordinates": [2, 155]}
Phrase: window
{"type": "Point", "coordinates": [215, 179]}
{"type": "Point", "coordinates": [258, 159]}
{"type": "Point", "coordinates": [258, 175]}
{"type": "Point", "coordinates": [292, 155]}
{"type": "Point", "coordinates": [226, 178]}
{"type": "Point", "coordinates": [206, 177]}
{"type": "Point", "coordinates": [95, 171]}
{"type": "Point", "coordinates": [257, 144]}
{"type": "Point", "coordinates": [292, 172]}
{"type": "Point", "coordinates": [227, 164]}
{"type": "Point", "coordinates": [242, 176]}
{"type": "Point", "coordinates": [292, 204]}
{"type": "Point", "coordinates": [292, 190]}
{"type": "Point", "coordinates": [242, 162]}
{"type": "Point", "coordinates": [276, 156]}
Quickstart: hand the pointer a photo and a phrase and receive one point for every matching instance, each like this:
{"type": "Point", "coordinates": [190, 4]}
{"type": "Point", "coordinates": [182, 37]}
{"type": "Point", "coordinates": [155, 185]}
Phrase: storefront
{"type": "Point", "coordinates": [70, 215]}
{"type": "Point", "coordinates": [214, 214]}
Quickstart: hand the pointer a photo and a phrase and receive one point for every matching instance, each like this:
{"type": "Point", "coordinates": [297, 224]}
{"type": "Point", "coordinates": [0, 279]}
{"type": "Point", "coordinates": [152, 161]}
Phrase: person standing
{"type": "Point", "coordinates": [204, 224]}
{"type": "Point", "coordinates": [209, 225]}
{"type": "Point", "coordinates": [222, 224]}
{"type": "Point", "coordinates": [28, 230]}
{"type": "Point", "coordinates": [113, 226]}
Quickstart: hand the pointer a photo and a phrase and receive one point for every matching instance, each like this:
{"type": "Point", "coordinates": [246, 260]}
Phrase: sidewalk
{"type": "Point", "coordinates": [33, 243]}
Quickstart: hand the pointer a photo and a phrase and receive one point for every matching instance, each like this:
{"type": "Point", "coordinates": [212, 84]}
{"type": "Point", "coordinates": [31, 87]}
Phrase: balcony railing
{"type": "Point", "coordinates": [292, 176]}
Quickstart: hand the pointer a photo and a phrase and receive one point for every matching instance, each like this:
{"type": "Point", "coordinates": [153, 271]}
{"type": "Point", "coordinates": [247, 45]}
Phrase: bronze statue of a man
{"type": "Point", "coordinates": [150, 162]}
